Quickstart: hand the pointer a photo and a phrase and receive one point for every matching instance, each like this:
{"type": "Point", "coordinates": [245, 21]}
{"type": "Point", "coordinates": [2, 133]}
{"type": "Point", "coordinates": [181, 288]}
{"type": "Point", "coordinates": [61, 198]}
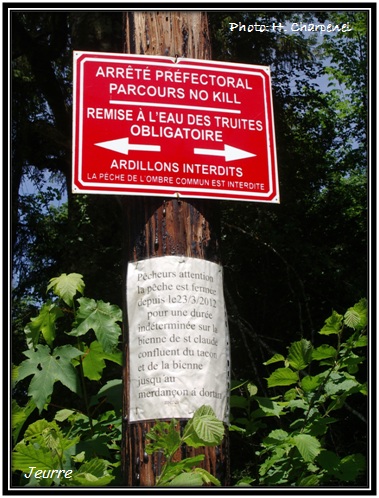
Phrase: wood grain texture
{"type": "Point", "coordinates": [157, 227]}
{"type": "Point", "coordinates": [183, 34]}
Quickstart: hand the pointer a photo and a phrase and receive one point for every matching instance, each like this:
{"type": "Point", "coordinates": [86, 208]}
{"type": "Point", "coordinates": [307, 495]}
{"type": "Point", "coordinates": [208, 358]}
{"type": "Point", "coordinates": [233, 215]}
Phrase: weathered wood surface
{"type": "Point", "coordinates": [183, 34]}
{"type": "Point", "coordinates": [158, 227]}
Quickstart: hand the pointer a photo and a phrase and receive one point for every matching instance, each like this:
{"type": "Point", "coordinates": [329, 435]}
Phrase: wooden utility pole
{"type": "Point", "coordinates": [160, 227]}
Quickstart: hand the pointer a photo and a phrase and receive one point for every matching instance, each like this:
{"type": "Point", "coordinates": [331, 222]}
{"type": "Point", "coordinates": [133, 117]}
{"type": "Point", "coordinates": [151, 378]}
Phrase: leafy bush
{"type": "Point", "coordinates": [75, 443]}
{"type": "Point", "coordinates": [87, 442]}
{"type": "Point", "coordinates": [204, 429]}
{"type": "Point", "coordinates": [78, 444]}
{"type": "Point", "coordinates": [311, 385]}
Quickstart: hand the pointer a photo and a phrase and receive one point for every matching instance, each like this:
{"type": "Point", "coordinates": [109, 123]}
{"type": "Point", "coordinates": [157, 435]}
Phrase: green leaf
{"type": "Point", "coordinates": [26, 455]}
{"type": "Point", "coordinates": [310, 383]}
{"type": "Point", "coordinates": [45, 323]}
{"type": "Point", "coordinates": [79, 457]}
{"type": "Point", "coordinates": [235, 428]}
{"type": "Point", "coordinates": [297, 404]}
{"type": "Point", "coordinates": [300, 354]}
{"type": "Point", "coordinates": [282, 377]}
{"type": "Point", "coordinates": [92, 473]}
{"type": "Point", "coordinates": [245, 482]}
{"type": "Point", "coordinates": [187, 479]}
{"type": "Point", "coordinates": [278, 453]}
{"type": "Point", "coordinates": [291, 394]}
{"type": "Point", "coordinates": [165, 437]}
{"type": "Point", "coordinates": [177, 475]}
{"type": "Point", "coordinates": [312, 480]}
{"type": "Point", "coordinates": [37, 428]}
{"type": "Point", "coordinates": [20, 415]}
{"type": "Point", "coordinates": [49, 435]}
{"type": "Point", "coordinates": [93, 360]}
{"type": "Point", "coordinates": [308, 446]}
{"type": "Point", "coordinates": [356, 317]}
{"type": "Point", "coordinates": [351, 466]}
{"type": "Point", "coordinates": [352, 362]}
{"type": "Point", "coordinates": [63, 414]}
{"type": "Point", "coordinates": [101, 318]}
{"type": "Point", "coordinates": [204, 429]}
{"type": "Point", "coordinates": [329, 461]}
{"type": "Point", "coordinates": [112, 391]}
{"type": "Point", "coordinates": [66, 286]}
{"type": "Point", "coordinates": [252, 388]}
{"type": "Point", "coordinates": [173, 469]}
{"type": "Point", "coordinates": [323, 352]}
{"type": "Point", "coordinates": [351, 318]}
{"type": "Point", "coordinates": [43, 447]}
{"type": "Point", "coordinates": [275, 437]}
{"type": "Point", "coordinates": [48, 368]}
{"type": "Point", "coordinates": [361, 342]}
{"type": "Point", "coordinates": [318, 426]}
{"type": "Point", "coordinates": [345, 469]}
{"type": "Point", "coordinates": [341, 383]}
{"type": "Point", "coordinates": [207, 477]}
{"type": "Point", "coordinates": [269, 407]}
{"type": "Point", "coordinates": [274, 359]}
{"type": "Point", "coordinates": [209, 429]}
{"type": "Point", "coordinates": [333, 324]}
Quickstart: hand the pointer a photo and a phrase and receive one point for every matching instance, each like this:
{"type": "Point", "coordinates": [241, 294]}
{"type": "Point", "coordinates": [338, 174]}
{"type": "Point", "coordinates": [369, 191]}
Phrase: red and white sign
{"type": "Point", "coordinates": [146, 125]}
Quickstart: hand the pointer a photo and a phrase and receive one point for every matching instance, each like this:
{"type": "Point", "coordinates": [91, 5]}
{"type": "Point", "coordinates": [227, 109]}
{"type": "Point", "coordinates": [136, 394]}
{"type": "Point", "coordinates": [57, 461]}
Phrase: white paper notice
{"type": "Point", "coordinates": [178, 338]}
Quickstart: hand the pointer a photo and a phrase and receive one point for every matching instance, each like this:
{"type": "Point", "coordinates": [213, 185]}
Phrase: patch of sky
{"type": "Point", "coordinates": [315, 32]}
{"type": "Point", "coordinates": [51, 184]}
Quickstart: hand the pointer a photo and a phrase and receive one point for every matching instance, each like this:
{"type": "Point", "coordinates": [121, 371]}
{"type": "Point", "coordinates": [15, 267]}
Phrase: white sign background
{"type": "Point", "coordinates": [178, 338]}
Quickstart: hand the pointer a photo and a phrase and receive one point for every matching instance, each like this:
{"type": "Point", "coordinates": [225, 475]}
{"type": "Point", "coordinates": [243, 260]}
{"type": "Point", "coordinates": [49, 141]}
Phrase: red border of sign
{"type": "Point", "coordinates": [78, 185]}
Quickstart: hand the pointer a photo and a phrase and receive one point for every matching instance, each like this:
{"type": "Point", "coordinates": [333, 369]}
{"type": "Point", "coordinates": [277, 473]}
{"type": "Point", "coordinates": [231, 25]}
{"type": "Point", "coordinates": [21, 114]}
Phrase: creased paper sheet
{"type": "Point", "coordinates": [178, 338]}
